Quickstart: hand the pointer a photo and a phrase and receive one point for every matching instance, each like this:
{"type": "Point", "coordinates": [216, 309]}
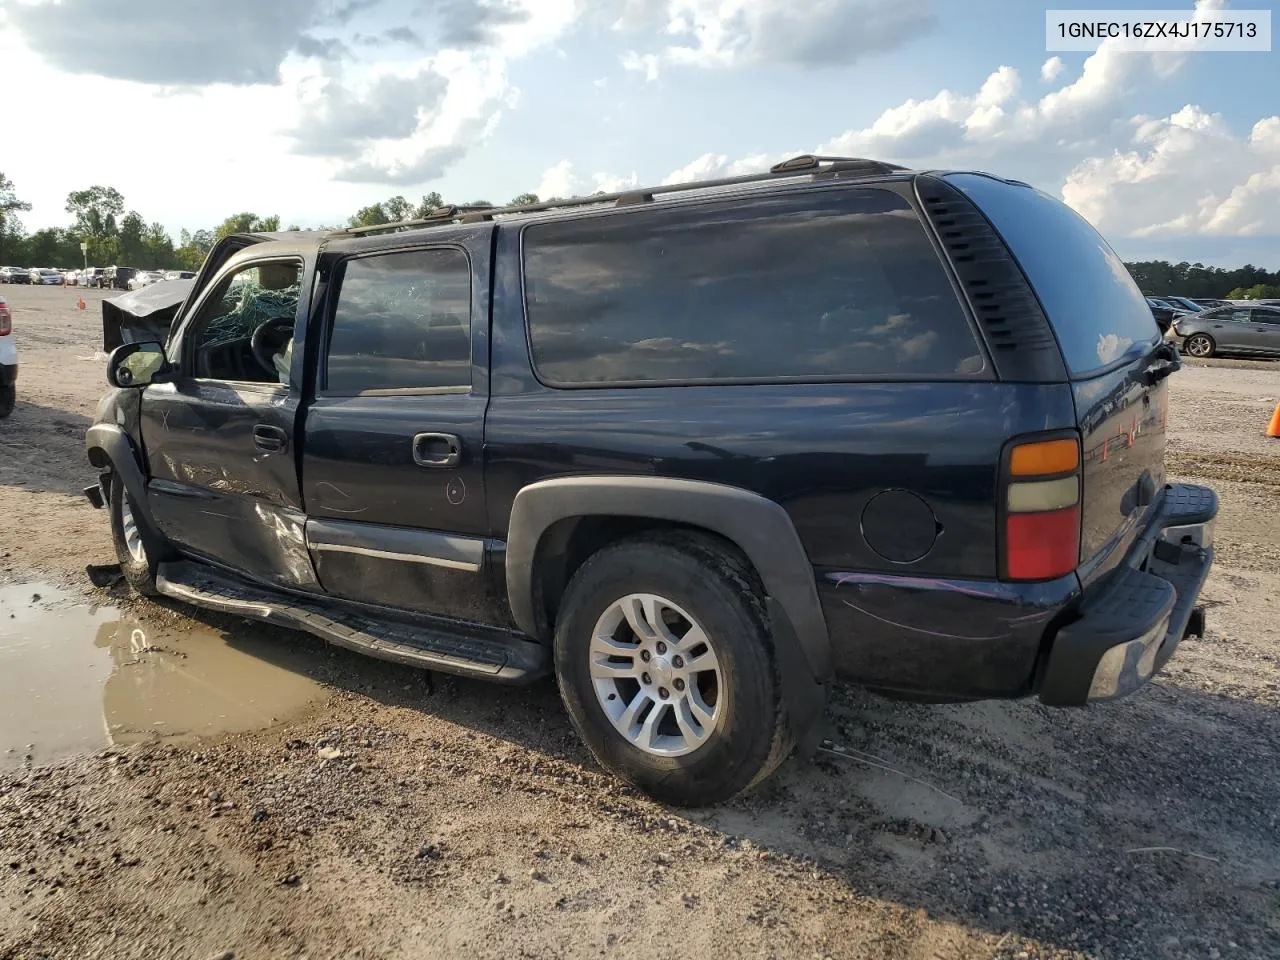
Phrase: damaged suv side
{"type": "Point", "coordinates": [696, 450]}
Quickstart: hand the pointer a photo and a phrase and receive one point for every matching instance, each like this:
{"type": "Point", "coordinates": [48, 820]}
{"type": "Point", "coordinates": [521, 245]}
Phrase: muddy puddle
{"type": "Point", "coordinates": [75, 678]}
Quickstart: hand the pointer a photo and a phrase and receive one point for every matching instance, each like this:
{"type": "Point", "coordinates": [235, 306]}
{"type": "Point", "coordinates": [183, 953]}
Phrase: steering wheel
{"type": "Point", "coordinates": [267, 340]}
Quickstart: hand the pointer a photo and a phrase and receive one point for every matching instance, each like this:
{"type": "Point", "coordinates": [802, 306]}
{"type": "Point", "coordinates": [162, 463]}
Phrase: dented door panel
{"type": "Point", "coordinates": [214, 491]}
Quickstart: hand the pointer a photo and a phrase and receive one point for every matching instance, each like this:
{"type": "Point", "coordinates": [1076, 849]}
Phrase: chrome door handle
{"type": "Point", "coordinates": [437, 450]}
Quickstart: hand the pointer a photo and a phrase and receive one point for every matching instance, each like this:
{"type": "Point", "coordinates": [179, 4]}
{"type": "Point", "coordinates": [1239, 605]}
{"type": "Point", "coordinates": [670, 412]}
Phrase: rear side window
{"type": "Point", "coordinates": [402, 322]}
{"type": "Point", "coordinates": [1097, 312]}
{"type": "Point", "coordinates": [820, 285]}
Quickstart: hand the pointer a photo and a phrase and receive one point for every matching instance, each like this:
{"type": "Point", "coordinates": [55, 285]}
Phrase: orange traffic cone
{"type": "Point", "coordinates": [82, 303]}
{"type": "Point", "coordinates": [1273, 428]}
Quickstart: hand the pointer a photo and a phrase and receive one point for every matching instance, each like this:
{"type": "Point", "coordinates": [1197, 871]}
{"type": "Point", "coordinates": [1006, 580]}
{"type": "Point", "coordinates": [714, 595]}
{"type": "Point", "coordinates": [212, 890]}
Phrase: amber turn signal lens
{"type": "Point", "coordinates": [1044, 458]}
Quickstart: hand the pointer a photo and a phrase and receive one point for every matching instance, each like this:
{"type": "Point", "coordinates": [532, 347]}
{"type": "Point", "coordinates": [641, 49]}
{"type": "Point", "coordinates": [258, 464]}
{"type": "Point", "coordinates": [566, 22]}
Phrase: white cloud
{"type": "Point", "coordinates": [1183, 174]}
{"type": "Point", "coordinates": [732, 33]}
{"type": "Point", "coordinates": [561, 181]}
{"type": "Point", "coordinates": [711, 166]}
{"type": "Point", "coordinates": [1051, 69]}
{"type": "Point", "coordinates": [641, 63]}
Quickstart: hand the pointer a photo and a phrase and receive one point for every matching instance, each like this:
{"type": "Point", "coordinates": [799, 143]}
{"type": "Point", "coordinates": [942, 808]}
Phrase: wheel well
{"type": "Point", "coordinates": [567, 544]}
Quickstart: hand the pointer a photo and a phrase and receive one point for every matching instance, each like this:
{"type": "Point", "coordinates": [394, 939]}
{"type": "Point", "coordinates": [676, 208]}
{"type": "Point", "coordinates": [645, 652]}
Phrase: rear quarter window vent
{"type": "Point", "coordinates": [1016, 330]}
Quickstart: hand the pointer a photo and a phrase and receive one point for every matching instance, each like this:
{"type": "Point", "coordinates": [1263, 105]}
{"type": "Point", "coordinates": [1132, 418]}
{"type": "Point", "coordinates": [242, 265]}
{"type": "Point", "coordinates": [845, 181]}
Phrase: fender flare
{"type": "Point", "coordinates": [109, 447]}
{"type": "Point", "coordinates": [759, 527]}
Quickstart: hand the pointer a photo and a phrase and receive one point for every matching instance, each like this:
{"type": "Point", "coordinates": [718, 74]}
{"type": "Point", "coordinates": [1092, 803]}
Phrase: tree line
{"type": "Point", "coordinates": [1160, 278]}
{"type": "Point", "coordinates": [114, 236]}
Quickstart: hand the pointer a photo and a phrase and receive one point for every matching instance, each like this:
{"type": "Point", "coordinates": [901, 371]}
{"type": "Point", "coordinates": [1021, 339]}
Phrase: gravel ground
{"type": "Point", "coordinates": [406, 815]}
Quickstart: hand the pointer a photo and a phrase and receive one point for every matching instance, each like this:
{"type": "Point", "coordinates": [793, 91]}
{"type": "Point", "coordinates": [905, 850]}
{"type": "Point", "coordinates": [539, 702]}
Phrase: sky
{"type": "Point", "coordinates": [310, 109]}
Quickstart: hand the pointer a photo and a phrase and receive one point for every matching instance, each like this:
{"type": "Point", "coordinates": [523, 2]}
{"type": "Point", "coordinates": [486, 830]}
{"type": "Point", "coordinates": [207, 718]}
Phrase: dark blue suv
{"type": "Point", "coordinates": [697, 450]}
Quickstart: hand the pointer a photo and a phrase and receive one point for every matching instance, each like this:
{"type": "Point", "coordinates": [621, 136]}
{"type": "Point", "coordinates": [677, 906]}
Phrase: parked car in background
{"type": "Point", "coordinates": [69, 277]}
{"type": "Point", "coordinates": [1165, 313]}
{"type": "Point", "coordinates": [179, 275]}
{"type": "Point", "coordinates": [47, 276]}
{"type": "Point", "coordinates": [1233, 329]}
{"type": "Point", "coordinates": [798, 431]}
{"type": "Point", "coordinates": [1210, 302]}
{"type": "Point", "coordinates": [90, 276]}
{"type": "Point", "coordinates": [117, 278]}
{"type": "Point", "coordinates": [144, 278]}
{"type": "Point", "coordinates": [8, 362]}
{"type": "Point", "coordinates": [14, 275]}
{"type": "Point", "coordinates": [1183, 303]}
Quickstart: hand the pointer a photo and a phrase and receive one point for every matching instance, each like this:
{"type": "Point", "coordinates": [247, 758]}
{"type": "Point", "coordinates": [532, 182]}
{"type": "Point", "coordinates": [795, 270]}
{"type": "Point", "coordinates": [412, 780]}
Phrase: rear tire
{"type": "Point", "coordinates": [136, 548]}
{"type": "Point", "coordinates": [1200, 345]}
{"type": "Point", "coordinates": [8, 398]}
{"type": "Point", "coordinates": [716, 722]}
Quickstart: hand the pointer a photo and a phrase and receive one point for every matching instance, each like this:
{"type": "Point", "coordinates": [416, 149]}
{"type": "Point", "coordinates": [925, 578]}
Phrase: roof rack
{"type": "Point", "coordinates": [816, 166]}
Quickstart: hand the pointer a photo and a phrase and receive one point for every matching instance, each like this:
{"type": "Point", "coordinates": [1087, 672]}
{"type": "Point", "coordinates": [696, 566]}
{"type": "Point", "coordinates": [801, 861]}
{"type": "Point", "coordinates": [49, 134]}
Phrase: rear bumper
{"type": "Point", "coordinates": [1128, 626]}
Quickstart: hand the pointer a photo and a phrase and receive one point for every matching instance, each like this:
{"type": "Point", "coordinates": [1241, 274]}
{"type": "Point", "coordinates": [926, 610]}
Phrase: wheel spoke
{"type": "Point", "coordinates": [644, 739]}
{"type": "Point", "coordinates": [702, 713]}
{"type": "Point", "coordinates": [606, 646]}
{"type": "Point", "coordinates": [603, 669]}
{"type": "Point", "coordinates": [633, 709]}
{"type": "Point", "coordinates": [692, 638]}
{"type": "Point", "coordinates": [703, 661]}
{"type": "Point", "coordinates": [693, 731]}
{"type": "Point", "coordinates": [642, 614]}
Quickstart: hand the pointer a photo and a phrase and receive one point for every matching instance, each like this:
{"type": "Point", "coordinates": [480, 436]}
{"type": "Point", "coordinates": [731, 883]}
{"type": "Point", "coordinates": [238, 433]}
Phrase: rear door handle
{"type": "Point", "coordinates": [437, 450]}
{"type": "Point", "coordinates": [269, 438]}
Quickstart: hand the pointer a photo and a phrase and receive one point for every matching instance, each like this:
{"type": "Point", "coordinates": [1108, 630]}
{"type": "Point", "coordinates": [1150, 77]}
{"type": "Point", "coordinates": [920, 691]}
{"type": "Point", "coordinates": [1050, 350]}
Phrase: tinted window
{"type": "Point", "coordinates": [1266, 316]}
{"type": "Point", "coordinates": [823, 284]}
{"type": "Point", "coordinates": [1095, 308]}
{"type": "Point", "coordinates": [402, 322]}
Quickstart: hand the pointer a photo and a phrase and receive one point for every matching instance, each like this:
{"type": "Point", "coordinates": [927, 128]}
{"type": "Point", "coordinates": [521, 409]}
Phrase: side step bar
{"type": "Point", "coordinates": [470, 652]}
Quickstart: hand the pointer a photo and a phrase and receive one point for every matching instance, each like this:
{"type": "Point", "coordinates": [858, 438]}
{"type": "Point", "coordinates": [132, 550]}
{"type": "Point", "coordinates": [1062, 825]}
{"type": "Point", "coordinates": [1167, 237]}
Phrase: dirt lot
{"type": "Point", "coordinates": [455, 819]}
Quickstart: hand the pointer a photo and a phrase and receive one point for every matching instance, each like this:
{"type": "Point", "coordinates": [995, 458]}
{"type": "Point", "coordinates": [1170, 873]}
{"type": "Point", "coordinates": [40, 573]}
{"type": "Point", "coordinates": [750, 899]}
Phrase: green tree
{"type": "Point", "coordinates": [523, 199]}
{"type": "Point", "coordinates": [370, 216]}
{"type": "Point", "coordinates": [246, 223]}
{"type": "Point", "coordinates": [193, 248]}
{"type": "Point", "coordinates": [11, 229]}
{"type": "Point", "coordinates": [97, 210]}
{"type": "Point", "coordinates": [132, 243]}
{"type": "Point", "coordinates": [1259, 291]}
{"type": "Point", "coordinates": [431, 201]}
{"type": "Point", "coordinates": [160, 254]}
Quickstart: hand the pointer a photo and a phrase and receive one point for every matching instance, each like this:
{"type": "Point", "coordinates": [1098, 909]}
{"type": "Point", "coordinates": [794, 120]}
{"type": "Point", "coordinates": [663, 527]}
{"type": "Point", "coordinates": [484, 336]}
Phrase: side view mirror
{"type": "Point", "coordinates": [139, 364]}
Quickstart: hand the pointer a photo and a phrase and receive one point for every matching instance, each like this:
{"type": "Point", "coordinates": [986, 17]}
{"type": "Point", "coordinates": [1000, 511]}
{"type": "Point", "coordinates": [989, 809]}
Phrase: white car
{"type": "Point", "coordinates": [8, 362]}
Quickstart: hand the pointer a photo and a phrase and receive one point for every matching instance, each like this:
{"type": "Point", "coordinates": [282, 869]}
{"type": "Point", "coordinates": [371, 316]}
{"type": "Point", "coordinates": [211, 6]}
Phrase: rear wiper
{"type": "Point", "coordinates": [1164, 360]}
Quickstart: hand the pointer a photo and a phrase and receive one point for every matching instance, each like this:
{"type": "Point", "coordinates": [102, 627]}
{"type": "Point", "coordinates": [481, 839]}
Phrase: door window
{"type": "Point", "coordinates": [402, 322]}
{"type": "Point", "coordinates": [244, 330]}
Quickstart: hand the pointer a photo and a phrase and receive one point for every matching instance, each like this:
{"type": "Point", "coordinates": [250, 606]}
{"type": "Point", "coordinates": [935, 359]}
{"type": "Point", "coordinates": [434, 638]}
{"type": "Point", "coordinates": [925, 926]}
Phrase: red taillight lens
{"type": "Point", "coordinates": [1042, 546]}
{"type": "Point", "coordinates": [6, 322]}
{"type": "Point", "coordinates": [1042, 509]}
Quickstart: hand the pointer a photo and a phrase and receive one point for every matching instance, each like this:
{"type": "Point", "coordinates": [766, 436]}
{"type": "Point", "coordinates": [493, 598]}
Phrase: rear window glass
{"type": "Point", "coordinates": [1095, 308]}
{"type": "Point", "coordinates": [402, 322]}
{"type": "Point", "coordinates": [830, 284]}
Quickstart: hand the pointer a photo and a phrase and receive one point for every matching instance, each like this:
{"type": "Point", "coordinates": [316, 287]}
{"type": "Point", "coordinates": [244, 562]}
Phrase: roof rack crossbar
{"type": "Point", "coordinates": [804, 165]}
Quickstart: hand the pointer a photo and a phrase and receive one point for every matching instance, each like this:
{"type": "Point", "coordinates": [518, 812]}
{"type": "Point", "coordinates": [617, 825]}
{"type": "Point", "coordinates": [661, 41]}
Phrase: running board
{"type": "Point", "coordinates": [466, 651]}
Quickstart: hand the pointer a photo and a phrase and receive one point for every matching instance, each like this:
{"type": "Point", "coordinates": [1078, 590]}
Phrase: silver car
{"type": "Point", "coordinates": [1234, 329]}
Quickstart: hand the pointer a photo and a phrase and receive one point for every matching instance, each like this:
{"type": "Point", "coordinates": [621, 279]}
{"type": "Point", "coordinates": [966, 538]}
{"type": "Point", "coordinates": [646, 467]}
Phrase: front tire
{"type": "Point", "coordinates": [1200, 345]}
{"type": "Point", "coordinates": [667, 669]}
{"type": "Point", "coordinates": [135, 546]}
{"type": "Point", "coordinates": [8, 399]}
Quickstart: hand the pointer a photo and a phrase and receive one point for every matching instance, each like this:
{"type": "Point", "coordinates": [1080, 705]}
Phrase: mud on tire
{"type": "Point", "coordinates": [140, 572]}
{"type": "Point", "coordinates": [751, 734]}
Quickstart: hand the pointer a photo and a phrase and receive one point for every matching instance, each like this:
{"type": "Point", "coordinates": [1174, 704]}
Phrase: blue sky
{"type": "Point", "coordinates": [312, 108]}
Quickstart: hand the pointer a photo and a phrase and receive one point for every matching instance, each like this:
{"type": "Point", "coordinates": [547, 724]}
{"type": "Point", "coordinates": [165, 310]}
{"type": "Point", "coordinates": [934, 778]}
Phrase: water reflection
{"type": "Point", "coordinates": [75, 677]}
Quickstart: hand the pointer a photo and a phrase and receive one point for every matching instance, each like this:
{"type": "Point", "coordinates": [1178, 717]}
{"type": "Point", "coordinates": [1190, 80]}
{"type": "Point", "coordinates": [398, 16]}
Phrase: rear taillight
{"type": "Point", "coordinates": [6, 321]}
{"type": "Point", "coordinates": [1041, 490]}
